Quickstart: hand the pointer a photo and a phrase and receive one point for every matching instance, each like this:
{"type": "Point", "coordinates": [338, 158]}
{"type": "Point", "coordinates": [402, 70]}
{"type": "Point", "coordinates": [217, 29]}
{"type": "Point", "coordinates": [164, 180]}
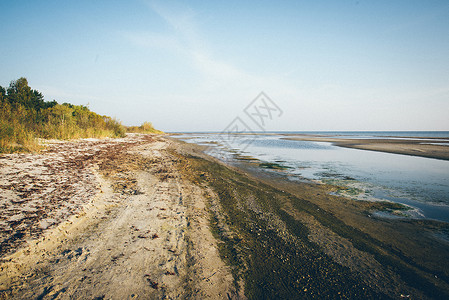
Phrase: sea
{"type": "Point", "coordinates": [417, 182]}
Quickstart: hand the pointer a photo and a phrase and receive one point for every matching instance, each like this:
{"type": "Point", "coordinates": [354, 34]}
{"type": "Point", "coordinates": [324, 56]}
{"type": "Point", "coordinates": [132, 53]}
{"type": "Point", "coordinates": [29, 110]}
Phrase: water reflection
{"type": "Point", "coordinates": [420, 182]}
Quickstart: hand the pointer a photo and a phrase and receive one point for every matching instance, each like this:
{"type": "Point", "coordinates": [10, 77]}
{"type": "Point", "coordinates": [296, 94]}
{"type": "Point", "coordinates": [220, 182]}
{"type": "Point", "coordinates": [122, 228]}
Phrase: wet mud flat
{"type": "Point", "coordinates": [291, 240]}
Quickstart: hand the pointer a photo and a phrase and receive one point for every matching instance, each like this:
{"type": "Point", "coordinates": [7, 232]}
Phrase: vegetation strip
{"type": "Point", "coordinates": [25, 116]}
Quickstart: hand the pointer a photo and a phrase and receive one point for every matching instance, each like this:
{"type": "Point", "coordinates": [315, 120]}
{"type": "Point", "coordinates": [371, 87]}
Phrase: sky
{"type": "Point", "coordinates": [196, 65]}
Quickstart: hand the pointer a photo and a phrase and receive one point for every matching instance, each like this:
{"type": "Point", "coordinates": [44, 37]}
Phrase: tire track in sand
{"type": "Point", "coordinates": [152, 243]}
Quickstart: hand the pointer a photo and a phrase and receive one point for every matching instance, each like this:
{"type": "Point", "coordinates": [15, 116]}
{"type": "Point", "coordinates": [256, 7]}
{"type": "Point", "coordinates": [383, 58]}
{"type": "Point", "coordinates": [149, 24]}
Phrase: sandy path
{"type": "Point", "coordinates": [153, 242]}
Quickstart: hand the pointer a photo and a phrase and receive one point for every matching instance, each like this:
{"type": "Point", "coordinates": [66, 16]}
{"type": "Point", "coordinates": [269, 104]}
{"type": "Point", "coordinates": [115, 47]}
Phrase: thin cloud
{"type": "Point", "coordinates": [152, 40]}
{"type": "Point", "coordinates": [185, 38]}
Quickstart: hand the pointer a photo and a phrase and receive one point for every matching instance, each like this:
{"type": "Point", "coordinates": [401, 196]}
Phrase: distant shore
{"type": "Point", "coordinates": [419, 146]}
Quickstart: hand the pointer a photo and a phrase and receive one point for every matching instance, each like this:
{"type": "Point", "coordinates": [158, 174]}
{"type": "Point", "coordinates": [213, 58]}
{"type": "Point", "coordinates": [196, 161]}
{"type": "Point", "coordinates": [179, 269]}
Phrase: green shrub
{"type": "Point", "coordinates": [146, 127]}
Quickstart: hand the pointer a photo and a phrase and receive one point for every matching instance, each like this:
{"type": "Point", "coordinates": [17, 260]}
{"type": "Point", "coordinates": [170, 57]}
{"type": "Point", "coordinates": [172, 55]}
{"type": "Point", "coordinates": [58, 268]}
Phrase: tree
{"type": "Point", "coordinates": [2, 93]}
{"type": "Point", "coordinates": [19, 93]}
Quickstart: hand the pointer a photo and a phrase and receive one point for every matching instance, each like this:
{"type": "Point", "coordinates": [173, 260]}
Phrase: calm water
{"type": "Point", "coordinates": [422, 183]}
{"type": "Point", "coordinates": [377, 134]}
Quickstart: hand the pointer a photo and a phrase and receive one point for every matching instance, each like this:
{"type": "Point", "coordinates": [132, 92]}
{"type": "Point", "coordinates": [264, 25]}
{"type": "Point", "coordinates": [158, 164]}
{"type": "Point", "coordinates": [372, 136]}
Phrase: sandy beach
{"type": "Point", "coordinates": [106, 219]}
{"type": "Point", "coordinates": [147, 216]}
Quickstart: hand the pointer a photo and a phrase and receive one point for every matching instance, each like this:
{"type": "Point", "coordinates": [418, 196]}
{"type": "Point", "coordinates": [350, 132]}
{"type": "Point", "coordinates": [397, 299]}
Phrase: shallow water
{"type": "Point", "coordinates": [377, 134]}
{"type": "Point", "coordinates": [422, 183]}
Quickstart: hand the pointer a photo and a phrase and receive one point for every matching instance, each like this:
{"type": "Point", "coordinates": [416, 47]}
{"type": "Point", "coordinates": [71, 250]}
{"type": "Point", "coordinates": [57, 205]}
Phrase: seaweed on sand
{"type": "Point", "coordinates": [274, 166]}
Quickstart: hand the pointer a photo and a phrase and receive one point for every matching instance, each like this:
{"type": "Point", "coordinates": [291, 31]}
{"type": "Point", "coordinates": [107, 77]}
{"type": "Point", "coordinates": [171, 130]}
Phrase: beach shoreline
{"type": "Point", "coordinates": [156, 217]}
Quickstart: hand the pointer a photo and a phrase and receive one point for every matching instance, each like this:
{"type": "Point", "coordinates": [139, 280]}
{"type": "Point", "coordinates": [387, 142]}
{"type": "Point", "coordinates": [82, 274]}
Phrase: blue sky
{"type": "Point", "coordinates": [195, 65]}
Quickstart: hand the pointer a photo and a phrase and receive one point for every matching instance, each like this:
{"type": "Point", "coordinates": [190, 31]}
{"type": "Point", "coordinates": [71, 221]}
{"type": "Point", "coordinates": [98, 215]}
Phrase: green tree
{"type": "Point", "coordinates": [2, 93]}
{"type": "Point", "coordinates": [19, 93]}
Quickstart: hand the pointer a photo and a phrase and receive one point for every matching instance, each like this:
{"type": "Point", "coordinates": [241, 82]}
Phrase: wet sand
{"type": "Point", "coordinates": [151, 217]}
{"type": "Point", "coordinates": [423, 147]}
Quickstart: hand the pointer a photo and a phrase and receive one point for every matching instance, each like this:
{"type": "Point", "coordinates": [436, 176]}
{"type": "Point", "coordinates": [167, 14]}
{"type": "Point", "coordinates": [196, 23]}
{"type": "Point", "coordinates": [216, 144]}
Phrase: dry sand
{"type": "Point", "coordinates": [110, 219]}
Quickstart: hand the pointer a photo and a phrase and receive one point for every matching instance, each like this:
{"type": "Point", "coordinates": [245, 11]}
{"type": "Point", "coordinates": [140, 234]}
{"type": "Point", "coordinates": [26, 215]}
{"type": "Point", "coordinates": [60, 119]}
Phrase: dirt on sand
{"type": "Point", "coordinates": [108, 219]}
